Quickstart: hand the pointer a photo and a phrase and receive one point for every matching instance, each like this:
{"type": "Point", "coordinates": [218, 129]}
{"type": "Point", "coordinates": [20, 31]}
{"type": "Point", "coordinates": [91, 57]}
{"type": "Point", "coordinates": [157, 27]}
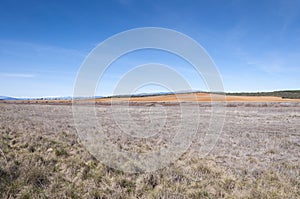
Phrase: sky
{"type": "Point", "coordinates": [254, 44]}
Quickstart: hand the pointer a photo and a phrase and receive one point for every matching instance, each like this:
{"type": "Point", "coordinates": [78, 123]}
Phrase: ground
{"type": "Point", "coordinates": [256, 155]}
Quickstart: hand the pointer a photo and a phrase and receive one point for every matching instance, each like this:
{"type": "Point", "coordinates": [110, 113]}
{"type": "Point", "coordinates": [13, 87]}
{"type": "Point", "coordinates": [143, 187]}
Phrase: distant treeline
{"type": "Point", "coordinates": [290, 94]}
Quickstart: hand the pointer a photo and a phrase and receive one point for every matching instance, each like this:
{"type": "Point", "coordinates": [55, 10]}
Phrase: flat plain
{"type": "Point", "coordinates": [257, 155]}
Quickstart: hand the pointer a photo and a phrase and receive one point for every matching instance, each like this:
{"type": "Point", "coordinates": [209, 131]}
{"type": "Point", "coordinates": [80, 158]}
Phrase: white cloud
{"type": "Point", "coordinates": [17, 75]}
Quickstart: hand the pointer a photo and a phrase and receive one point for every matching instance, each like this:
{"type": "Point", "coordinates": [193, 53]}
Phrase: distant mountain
{"type": "Point", "coordinates": [52, 98]}
{"type": "Point", "coordinates": [47, 98]}
{"type": "Point", "coordinates": [7, 98]}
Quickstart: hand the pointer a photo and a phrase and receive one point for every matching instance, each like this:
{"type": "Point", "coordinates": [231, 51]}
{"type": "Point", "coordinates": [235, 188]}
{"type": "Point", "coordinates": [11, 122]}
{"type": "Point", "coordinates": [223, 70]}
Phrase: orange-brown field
{"type": "Point", "coordinates": [201, 97]}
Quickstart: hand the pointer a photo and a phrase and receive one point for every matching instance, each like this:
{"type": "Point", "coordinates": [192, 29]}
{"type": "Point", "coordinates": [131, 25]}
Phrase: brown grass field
{"type": "Point", "coordinates": [256, 156]}
{"type": "Point", "coordinates": [200, 97]}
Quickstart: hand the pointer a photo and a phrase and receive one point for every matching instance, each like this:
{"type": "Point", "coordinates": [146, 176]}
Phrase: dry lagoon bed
{"type": "Point", "coordinates": [256, 156]}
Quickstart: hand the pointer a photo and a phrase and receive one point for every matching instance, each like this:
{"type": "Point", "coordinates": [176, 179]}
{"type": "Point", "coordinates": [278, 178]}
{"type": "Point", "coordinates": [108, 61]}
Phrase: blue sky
{"type": "Point", "coordinates": [255, 44]}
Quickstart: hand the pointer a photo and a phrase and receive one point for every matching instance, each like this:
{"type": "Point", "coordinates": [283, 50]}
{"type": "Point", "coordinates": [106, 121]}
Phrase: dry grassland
{"type": "Point", "coordinates": [256, 156]}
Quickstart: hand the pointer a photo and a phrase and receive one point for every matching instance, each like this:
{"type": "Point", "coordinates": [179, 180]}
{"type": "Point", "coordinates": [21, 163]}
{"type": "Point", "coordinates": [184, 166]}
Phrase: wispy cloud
{"type": "Point", "coordinates": [17, 75]}
{"type": "Point", "coordinates": [17, 48]}
{"type": "Point", "coordinates": [124, 2]}
{"type": "Point", "coordinates": [272, 62]}
{"type": "Point", "coordinates": [289, 12]}
{"type": "Point", "coordinates": [277, 63]}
